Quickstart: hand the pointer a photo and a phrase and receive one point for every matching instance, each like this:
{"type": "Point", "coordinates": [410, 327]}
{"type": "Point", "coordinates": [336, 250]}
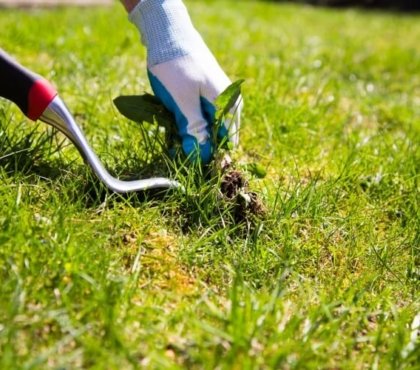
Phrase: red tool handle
{"type": "Point", "coordinates": [30, 92]}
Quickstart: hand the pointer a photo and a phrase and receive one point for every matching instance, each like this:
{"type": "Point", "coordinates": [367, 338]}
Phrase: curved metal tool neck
{"type": "Point", "coordinates": [58, 116]}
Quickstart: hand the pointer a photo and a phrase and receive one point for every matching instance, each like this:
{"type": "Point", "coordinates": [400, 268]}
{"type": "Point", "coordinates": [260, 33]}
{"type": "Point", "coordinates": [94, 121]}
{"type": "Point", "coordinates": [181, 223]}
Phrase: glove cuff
{"type": "Point", "coordinates": [166, 30]}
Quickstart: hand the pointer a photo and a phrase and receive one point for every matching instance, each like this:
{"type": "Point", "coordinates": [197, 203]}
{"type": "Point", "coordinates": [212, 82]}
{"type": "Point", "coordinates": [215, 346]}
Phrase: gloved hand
{"type": "Point", "coordinates": [184, 74]}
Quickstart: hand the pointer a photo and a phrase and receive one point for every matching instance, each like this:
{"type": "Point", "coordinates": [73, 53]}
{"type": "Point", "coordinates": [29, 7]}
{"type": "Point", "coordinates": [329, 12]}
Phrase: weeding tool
{"type": "Point", "coordinates": [38, 100]}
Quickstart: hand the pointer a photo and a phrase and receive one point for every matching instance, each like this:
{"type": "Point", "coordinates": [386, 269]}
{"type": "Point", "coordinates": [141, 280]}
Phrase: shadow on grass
{"type": "Point", "coordinates": [37, 154]}
{"type": "Point", "coordinates": [29, 152]}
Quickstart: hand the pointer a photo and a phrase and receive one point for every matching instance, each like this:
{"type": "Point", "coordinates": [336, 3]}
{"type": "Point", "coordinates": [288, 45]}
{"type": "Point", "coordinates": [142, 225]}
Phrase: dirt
{"type": "Point", "coordinates": [247, 205]}
{"type": "Point", "coordinates": [232, 183]}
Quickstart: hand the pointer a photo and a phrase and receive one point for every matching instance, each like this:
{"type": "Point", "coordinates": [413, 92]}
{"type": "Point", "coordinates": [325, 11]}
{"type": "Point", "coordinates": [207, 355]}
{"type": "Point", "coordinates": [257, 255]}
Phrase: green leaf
{"type": "Point", "coordinates": [227, 99]}
{"type": "Point", "coordinates": [257, 170]}
{"type": "Point", "coordinates": [145, 108]}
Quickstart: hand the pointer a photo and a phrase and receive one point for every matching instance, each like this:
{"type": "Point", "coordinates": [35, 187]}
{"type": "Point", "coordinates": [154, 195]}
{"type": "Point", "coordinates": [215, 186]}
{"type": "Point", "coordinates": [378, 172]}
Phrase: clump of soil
{"type": "Point", "coordinates": [247, 205]}
{"type": "Point", "coordinates": [232, 183]}
{"type": "Point", "coordinates": [250, 204]}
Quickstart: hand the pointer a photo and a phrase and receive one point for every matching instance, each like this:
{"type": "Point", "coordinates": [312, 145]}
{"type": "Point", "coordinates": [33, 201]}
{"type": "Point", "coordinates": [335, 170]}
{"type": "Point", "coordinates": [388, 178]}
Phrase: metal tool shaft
{"type": "Point", "coordinates": [58, 116]}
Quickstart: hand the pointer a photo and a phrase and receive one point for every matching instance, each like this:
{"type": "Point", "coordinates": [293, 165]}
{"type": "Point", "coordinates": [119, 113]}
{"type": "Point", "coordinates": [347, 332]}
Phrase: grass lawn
{"type": "Point", "coordinates": [329, 279]}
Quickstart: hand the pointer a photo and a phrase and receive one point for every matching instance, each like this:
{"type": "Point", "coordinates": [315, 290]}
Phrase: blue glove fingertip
{"type": "Point", "coordinates": [223, 132]}
{"type": "Point", "coordinates": [206, 152]}
{"type": "Point", "coordinates": [193, 150]}
{"type": "Point", "coordinates": [209, 112]}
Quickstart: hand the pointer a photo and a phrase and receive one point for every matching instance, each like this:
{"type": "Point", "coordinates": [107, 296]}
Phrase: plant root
{"type": "Point", "coordinates": [247, 205]}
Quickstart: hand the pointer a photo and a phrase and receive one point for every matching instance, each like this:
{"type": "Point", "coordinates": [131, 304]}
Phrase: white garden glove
{"type": "Point", "coordinates": [184, 74]}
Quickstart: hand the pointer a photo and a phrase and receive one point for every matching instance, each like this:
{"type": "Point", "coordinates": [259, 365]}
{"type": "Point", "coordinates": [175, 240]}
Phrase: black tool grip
{"type": "Point", "coordinates": [27, 90]}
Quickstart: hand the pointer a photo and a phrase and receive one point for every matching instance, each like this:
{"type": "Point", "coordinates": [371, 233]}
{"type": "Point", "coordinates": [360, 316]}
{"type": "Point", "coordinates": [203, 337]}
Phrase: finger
{"type": "Point", "coordinates": [192, 125]}
{"type": "Point", "coordinates": [209, 111]}
{"type": "Point", "coordinates": [231, 124]}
